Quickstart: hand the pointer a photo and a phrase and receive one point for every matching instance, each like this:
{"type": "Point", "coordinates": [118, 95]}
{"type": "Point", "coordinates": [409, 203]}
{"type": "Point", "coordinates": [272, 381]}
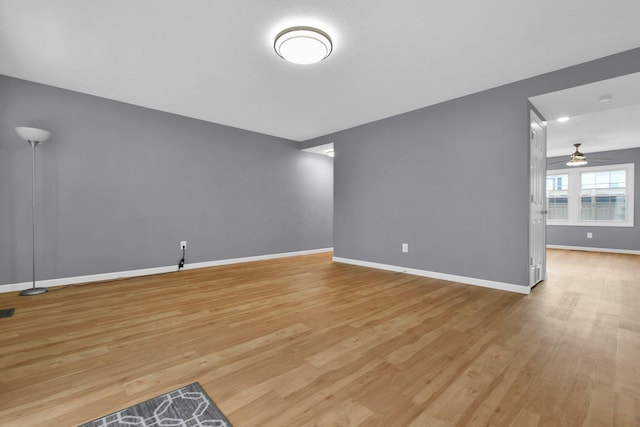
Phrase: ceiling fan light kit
{"type": "Point", "coordinates": [577, 158]}
{"type": "Point", "coordinates": [577, 162]}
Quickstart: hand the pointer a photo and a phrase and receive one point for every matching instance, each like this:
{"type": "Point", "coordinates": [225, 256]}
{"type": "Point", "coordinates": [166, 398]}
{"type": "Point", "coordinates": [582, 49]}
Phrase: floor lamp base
{"type": "Point", "coordinates": [33, 291]}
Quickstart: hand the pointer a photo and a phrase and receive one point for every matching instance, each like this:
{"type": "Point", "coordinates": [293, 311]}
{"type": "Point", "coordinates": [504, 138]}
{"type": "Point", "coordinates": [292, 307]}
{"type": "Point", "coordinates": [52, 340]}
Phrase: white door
{"type": "Point", "coordinates": [537, 200]}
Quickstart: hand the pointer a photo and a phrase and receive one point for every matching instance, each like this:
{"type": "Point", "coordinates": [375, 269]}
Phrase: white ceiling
{"type": "Point", "coordinates": [214, 60]}
{"type": "Point", "coordinates": [598, 126]}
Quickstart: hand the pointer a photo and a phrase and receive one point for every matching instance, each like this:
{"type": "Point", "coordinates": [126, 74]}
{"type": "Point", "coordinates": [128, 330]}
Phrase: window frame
{"type": "Point", "coordinates": [556, 174]}
{"type": "Point", "coordinates": [574, 197]}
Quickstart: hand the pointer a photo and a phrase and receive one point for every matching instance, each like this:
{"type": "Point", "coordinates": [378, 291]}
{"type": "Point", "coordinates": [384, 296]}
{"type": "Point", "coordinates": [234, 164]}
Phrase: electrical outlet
{"type": "Point", "coordinates": [183, 244]}
{"type": "Point", "coordinates": [589, 235]}
{"type": "Point", "coordinates": [405, 247]}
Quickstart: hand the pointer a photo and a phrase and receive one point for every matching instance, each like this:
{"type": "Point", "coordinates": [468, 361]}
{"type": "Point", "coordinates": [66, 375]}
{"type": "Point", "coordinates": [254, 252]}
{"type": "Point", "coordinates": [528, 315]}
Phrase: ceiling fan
{"type": "Point", "coordinates": [577, 158]}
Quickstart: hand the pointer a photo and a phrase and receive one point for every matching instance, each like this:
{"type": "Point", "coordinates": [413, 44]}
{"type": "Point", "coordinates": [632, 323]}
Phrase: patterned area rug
{"type": "Point", "coordinates": [188, 406]}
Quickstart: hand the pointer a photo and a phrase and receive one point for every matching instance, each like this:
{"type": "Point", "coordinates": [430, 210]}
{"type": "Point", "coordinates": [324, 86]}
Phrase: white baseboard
{"type": "Point", "coordinates": [149, 271]}
{"type": "Point", "coordinates": [442, 276]}
{"type": "Point", "coordinates": [254, 258]}
{"type": "Point", "coordinates": [592, 249]}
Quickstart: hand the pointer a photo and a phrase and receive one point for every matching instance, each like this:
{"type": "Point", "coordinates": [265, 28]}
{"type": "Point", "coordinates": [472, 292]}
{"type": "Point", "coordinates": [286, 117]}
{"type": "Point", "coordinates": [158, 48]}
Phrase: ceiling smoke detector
{"type": "Point", "coordinates": [605, 98]}
{"type": "Point", "coordinates": [303, 45]}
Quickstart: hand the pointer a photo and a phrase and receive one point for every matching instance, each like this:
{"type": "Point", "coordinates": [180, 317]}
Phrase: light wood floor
{"type": "Point", "coordinates": [303, 341]}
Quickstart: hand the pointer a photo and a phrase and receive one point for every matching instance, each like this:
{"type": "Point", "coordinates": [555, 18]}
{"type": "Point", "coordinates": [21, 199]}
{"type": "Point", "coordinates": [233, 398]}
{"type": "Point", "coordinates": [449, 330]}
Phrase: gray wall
{"type": "Point", "coordinates": [626, 238]}
{"type": "Point", "coordinates": [450, 179]}
{"type": "Point", "coordinates": [119, 186]}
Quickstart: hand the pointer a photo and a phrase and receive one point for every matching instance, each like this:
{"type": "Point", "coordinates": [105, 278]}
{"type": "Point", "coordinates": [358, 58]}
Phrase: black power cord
{"type": "Point", "coordinates": [181, 263]}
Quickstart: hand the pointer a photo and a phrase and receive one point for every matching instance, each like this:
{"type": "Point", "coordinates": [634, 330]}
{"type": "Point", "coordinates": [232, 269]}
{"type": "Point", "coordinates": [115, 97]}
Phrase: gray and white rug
{"type": "Point", "coordinates": [189, 406]}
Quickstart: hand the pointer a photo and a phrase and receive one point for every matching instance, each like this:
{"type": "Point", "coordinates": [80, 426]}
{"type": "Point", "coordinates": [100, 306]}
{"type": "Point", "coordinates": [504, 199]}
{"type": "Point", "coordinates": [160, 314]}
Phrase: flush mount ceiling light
{"type": "Point", "coordinates": [563, 119]}
{"type": "Point", "coordinates": [303, 45]}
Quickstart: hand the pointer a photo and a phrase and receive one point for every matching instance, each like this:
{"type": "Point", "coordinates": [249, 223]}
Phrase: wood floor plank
{"type": "Point", "coordinates": [627, 378]}
{"type": "Point", "coordinates": [305, 341]}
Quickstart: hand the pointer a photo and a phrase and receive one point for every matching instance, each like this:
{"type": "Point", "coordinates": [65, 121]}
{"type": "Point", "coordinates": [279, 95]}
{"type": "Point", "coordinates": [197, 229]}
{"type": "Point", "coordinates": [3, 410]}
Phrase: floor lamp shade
{"type": "Point", "coordinates": [33, 134]}
{"type": "Point", "coordinates": [34, 137]}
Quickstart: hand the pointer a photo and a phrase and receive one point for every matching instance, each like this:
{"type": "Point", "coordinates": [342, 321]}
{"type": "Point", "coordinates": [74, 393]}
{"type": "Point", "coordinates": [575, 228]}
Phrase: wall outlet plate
{"type": "Point", "coordinates": [183, 244]}
{"type": "Point", "coordinates": [589, 235]}
{"type": "Point", "coordinates": [405, 247]}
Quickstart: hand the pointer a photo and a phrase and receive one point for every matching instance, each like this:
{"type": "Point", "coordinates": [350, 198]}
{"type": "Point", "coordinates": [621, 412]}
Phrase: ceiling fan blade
{"type": "Point", "coordinates": [578, 159]}
{"type": "Point", "coordinates": [588, 159]}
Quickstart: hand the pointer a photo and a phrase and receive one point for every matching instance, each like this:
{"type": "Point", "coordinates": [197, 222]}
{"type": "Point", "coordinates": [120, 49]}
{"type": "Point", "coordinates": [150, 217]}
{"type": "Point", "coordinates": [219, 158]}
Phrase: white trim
{"type": "Point", "coordinates": [88, 278]}
{"type": "Point", "coordinates": [254, 258]}
{"type": "Point", "coordinates": [564, 223]}
{"type": "Point", "coordinates": [442, 276]}
{"type": "Point", "coordinates": [593, 249]}
{"type": "Point", "coordinates": [149, 271]}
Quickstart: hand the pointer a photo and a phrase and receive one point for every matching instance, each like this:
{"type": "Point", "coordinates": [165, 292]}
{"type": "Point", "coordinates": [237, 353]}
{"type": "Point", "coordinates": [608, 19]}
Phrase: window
{"type": "Point", "coordinates": [601, 195]}
{"type": "Point", "coordinates": [558, 197]}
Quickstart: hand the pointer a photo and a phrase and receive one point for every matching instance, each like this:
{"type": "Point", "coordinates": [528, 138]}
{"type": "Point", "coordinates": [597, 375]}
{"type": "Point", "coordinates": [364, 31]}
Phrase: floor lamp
{"type": "Point", "coordinates": [34, 137]}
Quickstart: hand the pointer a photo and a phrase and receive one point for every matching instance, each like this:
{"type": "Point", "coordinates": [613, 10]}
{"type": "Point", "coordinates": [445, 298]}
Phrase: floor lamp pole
{"type": "Point", "coordinates": [33, 137]}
